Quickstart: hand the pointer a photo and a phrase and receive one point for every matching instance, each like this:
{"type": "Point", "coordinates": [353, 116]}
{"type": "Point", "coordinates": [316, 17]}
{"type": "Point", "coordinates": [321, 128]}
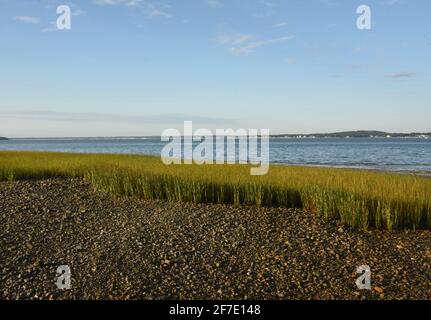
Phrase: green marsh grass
{"type": "Point", "coordinates": [357, 198]}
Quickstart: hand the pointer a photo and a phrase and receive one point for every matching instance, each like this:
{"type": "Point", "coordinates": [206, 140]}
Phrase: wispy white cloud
{"type": "Point", "coordinates": [400, 75]}
{"type": "Point", "coordinates": [150, 8]}
{"type": "Point", "coordinates": [234, 39]}
{"type": "Point", "coordinates": [290, 60]}
{"type": "Point", "coordinates": [46, 115]}
{"type": "Point", "coordinates": [160, 13]}
{"type": "Point", "coordinates": [250, 47]}
{"type": "Point", "coordinates": [26, 19]}
{"type": "Point", "coordinates": [51, 28]}
{"type": "Point", "coordinates": [279, 25]}
{"type": "Point", "coordinates": [329, 2]}
{"type": "Point", "coordinates": [78, 12]}
{"type": "Point", "coordinates": [392, 2]}
{"type": "Point", "coordinates": [215, 3]}
{"type": "Point", "coordinates": [129, 3]}
{"type": "Point", "coordinates": [335, 75]}
{"type": "Point", "coordinates": [267, 3]}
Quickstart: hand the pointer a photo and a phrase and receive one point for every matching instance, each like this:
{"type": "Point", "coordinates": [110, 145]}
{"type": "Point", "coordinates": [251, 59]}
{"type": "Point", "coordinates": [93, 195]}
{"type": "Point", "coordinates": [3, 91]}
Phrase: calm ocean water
{"type": "Point", "coordinates": [371, 153]}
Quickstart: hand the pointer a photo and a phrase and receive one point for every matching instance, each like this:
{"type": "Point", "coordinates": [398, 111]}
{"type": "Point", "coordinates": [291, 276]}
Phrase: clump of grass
{"type": "Point", "coordinates": [357, 198]}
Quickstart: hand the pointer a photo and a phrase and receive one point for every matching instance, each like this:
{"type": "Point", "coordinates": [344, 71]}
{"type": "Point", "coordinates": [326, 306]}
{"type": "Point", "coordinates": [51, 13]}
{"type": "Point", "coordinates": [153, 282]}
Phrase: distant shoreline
{"type": "Point", "coordinates": [342, 134]}
{"type": "Point", "coordinates": [358, 134]}
{"type": "Point", "coordinates": [281, 136]}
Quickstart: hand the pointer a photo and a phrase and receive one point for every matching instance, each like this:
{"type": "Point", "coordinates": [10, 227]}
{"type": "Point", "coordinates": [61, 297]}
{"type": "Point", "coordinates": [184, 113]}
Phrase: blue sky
{"type": "Point", "coordinates": [131, 67]}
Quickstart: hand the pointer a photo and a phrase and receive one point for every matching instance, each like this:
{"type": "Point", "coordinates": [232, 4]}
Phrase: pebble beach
{"type": "Point", "coordinates": [128, 248]}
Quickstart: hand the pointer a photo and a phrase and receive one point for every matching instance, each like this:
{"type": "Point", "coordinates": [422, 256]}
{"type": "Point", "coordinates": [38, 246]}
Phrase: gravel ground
{"type": "Point", "coordinates": [120, 248]}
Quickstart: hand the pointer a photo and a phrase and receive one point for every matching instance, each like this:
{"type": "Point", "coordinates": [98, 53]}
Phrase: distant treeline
{"type": "Point", "coordinates": [358, 134]}
{"type": "Point", "coordinates": [3, 138]}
